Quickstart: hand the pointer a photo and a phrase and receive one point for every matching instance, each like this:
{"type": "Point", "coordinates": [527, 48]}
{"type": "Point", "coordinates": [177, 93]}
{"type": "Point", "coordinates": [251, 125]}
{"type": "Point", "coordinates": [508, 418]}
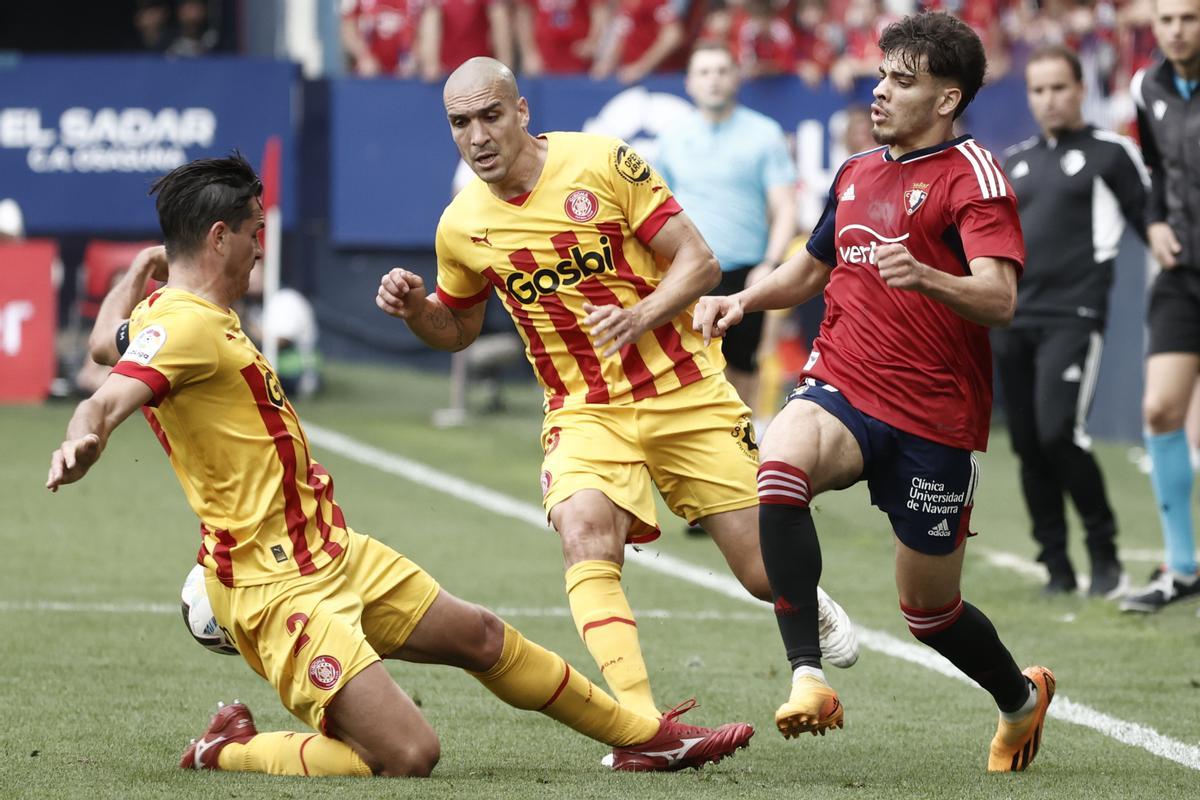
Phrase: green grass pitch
{"type": "Point", "coordinates": [100, 694]}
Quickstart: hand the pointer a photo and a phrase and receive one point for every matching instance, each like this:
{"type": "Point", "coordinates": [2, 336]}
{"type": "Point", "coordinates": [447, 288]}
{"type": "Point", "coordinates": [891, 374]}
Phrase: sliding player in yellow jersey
{"type": "Point", "coordinates": [599, 268]}
{"type": "Point", "coordinates": [312, 605]}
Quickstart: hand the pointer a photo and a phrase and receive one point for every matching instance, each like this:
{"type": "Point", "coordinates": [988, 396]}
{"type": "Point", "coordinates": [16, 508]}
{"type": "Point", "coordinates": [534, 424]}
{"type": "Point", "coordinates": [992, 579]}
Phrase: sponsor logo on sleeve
{"type": "Point", "coordinates": [630, 165]}
{"type": "Point", "coordinates": [146, 345]}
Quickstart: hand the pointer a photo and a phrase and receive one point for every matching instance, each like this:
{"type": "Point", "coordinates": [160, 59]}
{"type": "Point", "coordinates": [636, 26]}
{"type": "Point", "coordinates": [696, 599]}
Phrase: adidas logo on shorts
{"type": "Point", "coordinates": [941, 529]}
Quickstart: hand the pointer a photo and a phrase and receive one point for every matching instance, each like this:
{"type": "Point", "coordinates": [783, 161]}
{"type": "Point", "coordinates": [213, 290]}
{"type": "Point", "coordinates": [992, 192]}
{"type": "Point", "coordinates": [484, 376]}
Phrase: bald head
{"type": "Point", "coordinates": [488, 118]}
{"type": "Point", "coordinates": [481, 74]}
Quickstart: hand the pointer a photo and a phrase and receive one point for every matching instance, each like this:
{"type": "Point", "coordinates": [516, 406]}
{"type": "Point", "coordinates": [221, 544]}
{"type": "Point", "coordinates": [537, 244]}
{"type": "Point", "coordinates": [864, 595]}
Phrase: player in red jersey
{"type": "Point", "coordinates": [918, 252]}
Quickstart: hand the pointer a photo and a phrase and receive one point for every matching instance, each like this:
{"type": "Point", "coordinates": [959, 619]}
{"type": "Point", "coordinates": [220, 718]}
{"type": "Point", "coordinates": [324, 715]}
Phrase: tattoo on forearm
{"type": "Point", "coordinates": [441, 319]}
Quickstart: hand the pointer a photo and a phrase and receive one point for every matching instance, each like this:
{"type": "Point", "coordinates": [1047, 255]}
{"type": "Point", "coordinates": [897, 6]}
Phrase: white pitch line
{"type": "Point", "coordinates": [504, 611]}
{"type": "Point", "coordinates": [495, 502]}
{"type": "Point", "coordinates": [83, 608]}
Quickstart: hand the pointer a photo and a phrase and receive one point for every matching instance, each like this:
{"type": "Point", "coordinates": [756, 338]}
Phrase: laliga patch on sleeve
{"type": "Point", "coordinates": [147, 343]}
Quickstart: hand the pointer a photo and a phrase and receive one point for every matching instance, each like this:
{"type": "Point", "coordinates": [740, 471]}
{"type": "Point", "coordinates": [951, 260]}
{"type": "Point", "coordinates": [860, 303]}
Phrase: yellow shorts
{"type": "Point", "coordinates": [696, 444]}
{"type": "Point", "coordinates": [308, 636]}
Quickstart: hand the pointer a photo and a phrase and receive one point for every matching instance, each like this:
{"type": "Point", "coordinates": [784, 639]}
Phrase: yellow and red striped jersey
{"type": "Point", "coordinates": [579, 236]}
{"type": "Point", "coordinates": [266, 508]}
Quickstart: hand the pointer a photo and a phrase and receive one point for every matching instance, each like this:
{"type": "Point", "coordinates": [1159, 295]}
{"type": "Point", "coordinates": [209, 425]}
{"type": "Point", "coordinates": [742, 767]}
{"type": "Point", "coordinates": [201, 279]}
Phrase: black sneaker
{"type": "Point", "coordinates": [1108, 580]}
{"type": "Point", "coordinates": [1060, 583]}
{"type": "Point", "coordinates": [1163, 591]}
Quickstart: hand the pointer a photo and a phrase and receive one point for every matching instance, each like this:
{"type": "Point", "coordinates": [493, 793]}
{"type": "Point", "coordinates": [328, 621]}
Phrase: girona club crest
{"type": "Point", "coordinates": [324, 672]}
{"type": "Point", "coordinates": [581, 205]}
{"type": "Point", "coordinates": [915, 196]}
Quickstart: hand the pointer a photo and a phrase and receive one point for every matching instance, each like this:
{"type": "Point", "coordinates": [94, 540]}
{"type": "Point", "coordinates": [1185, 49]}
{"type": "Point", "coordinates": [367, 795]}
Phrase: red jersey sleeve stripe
{"type": "Point", "coordinates": [285, 449]}
{"type": "Point", "coordinates": [157, 382]}
{"type": "Point", "coordinates": [462, 302]}
{"type": "Point", "coordinates": [641, 380]}
{"type": "Point", "coordinates": [658, 217]}
{"type": "Point", "coordinates": [537, 348]}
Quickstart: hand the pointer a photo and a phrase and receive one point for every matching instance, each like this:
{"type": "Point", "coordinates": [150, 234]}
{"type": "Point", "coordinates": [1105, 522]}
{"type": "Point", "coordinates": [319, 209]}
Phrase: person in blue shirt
{"type": "Point", "coordinates": [729, 167]}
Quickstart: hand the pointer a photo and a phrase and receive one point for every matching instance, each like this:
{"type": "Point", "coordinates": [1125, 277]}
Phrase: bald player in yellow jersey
{"type": "Point", "coordinates": [312, 605]}
{"type": "Point", "coordinates": [599, 268]}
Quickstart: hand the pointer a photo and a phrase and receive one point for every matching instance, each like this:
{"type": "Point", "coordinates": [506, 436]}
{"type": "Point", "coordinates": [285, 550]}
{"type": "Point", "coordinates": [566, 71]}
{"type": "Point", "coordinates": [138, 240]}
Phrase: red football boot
{"type": "Point", "coordinates": [231, 723]}
{"type": "Point", "coordinates": [678, 746]}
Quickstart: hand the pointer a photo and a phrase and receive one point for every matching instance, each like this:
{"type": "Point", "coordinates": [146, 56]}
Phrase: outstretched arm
{"type": "Point", "coordinates": [90, 426]}
{"type": "Point", "coordinates": [797, 280]}
{"type": "Point", "coordinates": [402, 294]}
{"type": "Point", "coordinates": [126, 293]}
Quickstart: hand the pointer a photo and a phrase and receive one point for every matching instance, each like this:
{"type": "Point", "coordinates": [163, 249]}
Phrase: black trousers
{"type": "Point", "coordinates": [1048, 377]}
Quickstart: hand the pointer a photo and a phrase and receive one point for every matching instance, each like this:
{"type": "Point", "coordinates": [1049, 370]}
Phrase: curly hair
{"type": "Point", "coordinates": [946, 44]}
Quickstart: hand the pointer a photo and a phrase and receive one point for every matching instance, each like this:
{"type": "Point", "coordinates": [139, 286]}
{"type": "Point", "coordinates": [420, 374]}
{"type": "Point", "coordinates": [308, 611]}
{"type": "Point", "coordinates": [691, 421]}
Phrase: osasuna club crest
{"type": "Point", "coordinates": [581, 205]}
{"type": "Point", "coordinates": [915, 196]}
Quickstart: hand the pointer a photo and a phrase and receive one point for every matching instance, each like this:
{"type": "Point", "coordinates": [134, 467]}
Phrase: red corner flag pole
{"type": "Point", "coordinates": [272, 179]}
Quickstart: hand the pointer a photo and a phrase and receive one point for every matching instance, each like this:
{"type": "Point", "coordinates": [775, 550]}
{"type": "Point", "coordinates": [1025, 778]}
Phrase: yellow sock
{"type": "Point", "coordinates": [287, 753]}
{"type": "Point", "coordinates": [530, 677]}
{"type": "Point", "coordinates": [606, 625]}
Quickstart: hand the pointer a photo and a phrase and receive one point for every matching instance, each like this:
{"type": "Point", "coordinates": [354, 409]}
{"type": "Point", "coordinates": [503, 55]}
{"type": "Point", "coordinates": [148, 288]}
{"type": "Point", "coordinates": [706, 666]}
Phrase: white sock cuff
{"type": "Point", "coordinates": [816, 672]}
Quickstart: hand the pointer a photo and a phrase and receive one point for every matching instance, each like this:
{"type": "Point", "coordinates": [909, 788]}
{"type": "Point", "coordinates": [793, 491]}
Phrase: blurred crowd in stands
{"type": "Point", "coordinates": [630, 39]}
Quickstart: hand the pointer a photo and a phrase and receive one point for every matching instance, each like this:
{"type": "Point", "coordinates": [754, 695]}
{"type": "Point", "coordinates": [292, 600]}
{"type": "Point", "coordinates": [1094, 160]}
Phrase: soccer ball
{"type": "Point", "coordinates": [198, 615]}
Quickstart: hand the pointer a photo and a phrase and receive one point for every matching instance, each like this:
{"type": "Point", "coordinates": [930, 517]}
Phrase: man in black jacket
{"type": "Point", "coordinates": [1077, 187]}
{"type": "Point", "coordinates": [1167, 95]}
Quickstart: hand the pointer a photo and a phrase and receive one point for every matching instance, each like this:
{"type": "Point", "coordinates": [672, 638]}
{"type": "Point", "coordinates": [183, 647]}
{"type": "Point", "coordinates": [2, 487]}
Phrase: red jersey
{"type": "Point", "coordinates": [898, 355]}
{"type": "Point", "coordinates": [558, 25]}
{"type": "Point", "coordinates": [465, 31]}
{"type": "Point", "coordinates": [764, 46]}
{"type": "Point", "coordinates": [640, 22]}
{"type": "Point", "coordinates": [387, 26]}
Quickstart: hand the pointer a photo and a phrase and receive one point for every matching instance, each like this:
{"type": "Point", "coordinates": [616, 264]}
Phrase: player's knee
{"type": "Point", "coordinates": [588, 536]}
{"type": "Point", "coordinates": [753, 576]}
{"type": "Point", "coordinates": [1161, 416]}
{"type": "Point", "coordinates": [491, 641]}
{"type": "Point", "coordinates": [926, 622]}
{"type": "Point", "coordinates": [416, 759]}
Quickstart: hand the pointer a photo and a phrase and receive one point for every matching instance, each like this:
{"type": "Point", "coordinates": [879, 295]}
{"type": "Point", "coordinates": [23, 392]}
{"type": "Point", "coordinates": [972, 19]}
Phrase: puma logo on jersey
{"type": "Point", "coordinates": [482, 239]}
